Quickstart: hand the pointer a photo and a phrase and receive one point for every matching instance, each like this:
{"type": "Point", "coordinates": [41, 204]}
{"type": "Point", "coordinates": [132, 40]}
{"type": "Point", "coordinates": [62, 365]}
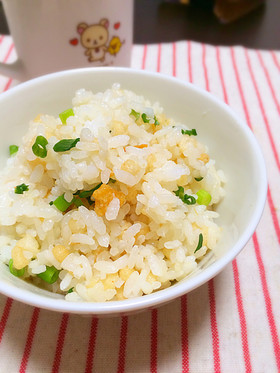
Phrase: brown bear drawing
{"type": "Point", "coordinates": [94, 39]}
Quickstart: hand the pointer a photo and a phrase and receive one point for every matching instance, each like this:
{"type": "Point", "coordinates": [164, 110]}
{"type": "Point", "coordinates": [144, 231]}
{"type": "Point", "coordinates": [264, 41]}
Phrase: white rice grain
{"type": "Point", "coordinates": [111, 252]}
{"type": "Point", "coordinates": [113, 209]}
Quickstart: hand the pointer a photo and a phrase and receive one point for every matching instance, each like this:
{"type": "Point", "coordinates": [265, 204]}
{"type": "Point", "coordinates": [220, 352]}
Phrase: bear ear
{"type": "Point", "coordinates": [104, 22]}
{"type": "Point", "coordinates": [81, 27]}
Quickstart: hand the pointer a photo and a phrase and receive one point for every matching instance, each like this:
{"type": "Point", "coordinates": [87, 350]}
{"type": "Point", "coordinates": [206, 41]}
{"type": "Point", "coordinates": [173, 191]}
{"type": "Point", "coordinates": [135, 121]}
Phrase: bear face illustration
{"type": "Point", "coordinates": [94, 39]}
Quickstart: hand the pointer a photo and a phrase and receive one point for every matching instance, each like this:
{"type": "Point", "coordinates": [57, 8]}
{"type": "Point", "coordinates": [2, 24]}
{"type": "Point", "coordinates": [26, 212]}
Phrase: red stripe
{"type": "Point", "coordinates": [159, 58]}
{"type": "Point", "coordinates": [204, 66]}
{"type": "Point", "coordinates": [262, 109]}
{"type": "Point", "coordinates": [214, 328]}
{"type": "Point", "coordinates": [268, 305]}
{"type": "Point", "coordinates": [1, 38]}
{"type": "Point", "coordinates": [154, 341]}
{"type": "Point", "coordinates": [221, 74]}
{"type": "Point", "coordinates": [91, 345]}
{"type": "Point", "coordinates": [174, 59]}
{"type": "Point", "coordinates": [242, 318]}
{"type": "Point", "coordinates": [7, 85]}
{"type": "Point", "coordinates": [273, 214]}
{"type": "Point", "coordinates": [9, 82]}
{"type": "Point", "coordinates": [144, 57]}
{"type": "Point", "coordinates": [60, 342]}
{"type": "Point", "coordinates": [184, 335]}
{"type": "Point", "coordinates": [11, 47]}
{"type": "Point", "coordinates": [5, 316]}
{"type": "Point", "coordinates": [240, 88]}
{"type": "Point", "coordinates": [122, 348]}
{"type": "Point", "coordinates": [275, 60]}
{"type": "Point", "coordinates": [190, 61]}
{"type": "Point", "coordinates": [238, 294]}
{"type": "Point", "coordinates": [268, 81]}
{"type": "Point", "coordinates": [29, 340]}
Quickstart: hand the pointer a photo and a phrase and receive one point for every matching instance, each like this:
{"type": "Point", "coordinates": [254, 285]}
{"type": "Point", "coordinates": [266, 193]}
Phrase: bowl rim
{"type": "Point", "coordinates": [122, 307]}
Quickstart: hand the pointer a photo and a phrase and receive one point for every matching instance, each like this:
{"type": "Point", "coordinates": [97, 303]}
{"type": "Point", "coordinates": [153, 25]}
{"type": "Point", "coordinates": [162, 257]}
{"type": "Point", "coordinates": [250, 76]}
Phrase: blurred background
{"type": "Point", "coordinates": [251, 23]}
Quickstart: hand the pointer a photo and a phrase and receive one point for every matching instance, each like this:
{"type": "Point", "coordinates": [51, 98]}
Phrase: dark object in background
{"type": "Point", "coordinates": [3, 22]}
{"type": "Point", "coordinates": [205, 4]}
{"type": "Point", "coordinates": [225, 10]}
{"type": "Point", "coordinates": [230, 10]}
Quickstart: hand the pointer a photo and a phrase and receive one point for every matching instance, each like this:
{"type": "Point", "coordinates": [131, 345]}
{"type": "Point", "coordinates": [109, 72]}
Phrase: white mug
{"type": "Point", "coordinates": [54, 35]}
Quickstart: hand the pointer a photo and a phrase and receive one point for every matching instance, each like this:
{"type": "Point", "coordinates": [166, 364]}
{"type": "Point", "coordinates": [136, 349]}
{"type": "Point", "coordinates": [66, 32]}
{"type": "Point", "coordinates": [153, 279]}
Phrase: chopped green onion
{"type": "Point", "coordinates": [189, 200]}
{"type": "Point", "coordinates": [180, 192]}
{"type": "Point", "coordinates": [50, 275]}
{"type": "Point", "coordinates": [203, 197]}
{"type": "Point", "coordinates": [156, 121]}
{"type": "Point", "coordinates": [15, 272]}
{"type": "Point", "coordinates": [77, 202]}
{"type": "Point", "coordinates": [198, 178]}
{"type": "Point", "coordinates": [186, 198]}
{"type": "Point", "coordinates": [200, 241]}
{"type": "Point", "coordinates": [88, 193]}
{"type": "Point", "coordinates": [65, 145]}
{"type": "Point", "coordinates": [61, 203]}
{"type": "Point", "coordinates": [19, 189]}
{"type": "Point", "coordinates": [189, 132]}
{"type": "Point", "coordinates": [66, 114]}
{"type": "Point", "coordinates": [135, 114]}
{"type": "Point", "coordinates": [39, 147]}
{"type": "Point", "coordinates": [112, 181]}
{"type": "Point", "coordinates": [70, 291]}
{"type": "Point", "coordinates": [13, 149]}
{"type": "Point", "coordinates": [145, 118]}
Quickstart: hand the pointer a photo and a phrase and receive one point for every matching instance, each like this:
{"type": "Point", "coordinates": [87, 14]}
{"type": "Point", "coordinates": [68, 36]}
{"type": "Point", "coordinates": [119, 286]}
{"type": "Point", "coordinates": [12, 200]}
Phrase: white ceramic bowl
{"type": "Point", "coordinates": [230, 143]}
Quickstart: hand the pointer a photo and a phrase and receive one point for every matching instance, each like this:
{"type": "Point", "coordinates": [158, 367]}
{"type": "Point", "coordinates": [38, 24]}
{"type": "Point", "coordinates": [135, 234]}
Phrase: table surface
{"type": "Point", "coordinates": [159, 21]}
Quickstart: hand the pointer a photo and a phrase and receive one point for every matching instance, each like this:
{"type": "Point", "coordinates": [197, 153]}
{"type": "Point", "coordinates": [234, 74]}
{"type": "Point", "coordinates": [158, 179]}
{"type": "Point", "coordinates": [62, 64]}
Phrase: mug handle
{"type": "Point", "coordinates": [14, 70]}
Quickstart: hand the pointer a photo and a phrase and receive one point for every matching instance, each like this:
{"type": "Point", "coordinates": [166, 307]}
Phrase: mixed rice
{"type": "Point", "coordinates": [108, 201]}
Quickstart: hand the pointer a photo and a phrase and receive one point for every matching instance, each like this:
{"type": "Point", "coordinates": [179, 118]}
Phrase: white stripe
{"type": "Point", "coordinates": [200, 339]}
{"type": "Point", "coordinates": [137, 56]}
{"type": "Point", "coordinates": [107, 345]}
{"type": "Point", "coordinates": [166, 59]}
{"type": "Point", "coordinates": [14, 338]}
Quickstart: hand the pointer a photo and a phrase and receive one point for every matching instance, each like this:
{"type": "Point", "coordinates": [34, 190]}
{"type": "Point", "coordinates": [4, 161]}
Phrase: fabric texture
{"type": "Point", "coordinates": [230, 324]}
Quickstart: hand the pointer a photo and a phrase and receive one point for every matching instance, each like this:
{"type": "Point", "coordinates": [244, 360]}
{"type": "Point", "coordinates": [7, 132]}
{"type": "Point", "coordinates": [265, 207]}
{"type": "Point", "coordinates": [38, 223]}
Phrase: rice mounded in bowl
{"type": "Point", "coordinates": [110, 200]}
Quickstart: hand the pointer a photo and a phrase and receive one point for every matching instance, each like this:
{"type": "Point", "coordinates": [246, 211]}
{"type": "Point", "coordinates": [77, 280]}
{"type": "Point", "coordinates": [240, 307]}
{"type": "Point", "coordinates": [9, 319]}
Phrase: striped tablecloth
{"type": "Point", "coordinates": [232, 323]}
